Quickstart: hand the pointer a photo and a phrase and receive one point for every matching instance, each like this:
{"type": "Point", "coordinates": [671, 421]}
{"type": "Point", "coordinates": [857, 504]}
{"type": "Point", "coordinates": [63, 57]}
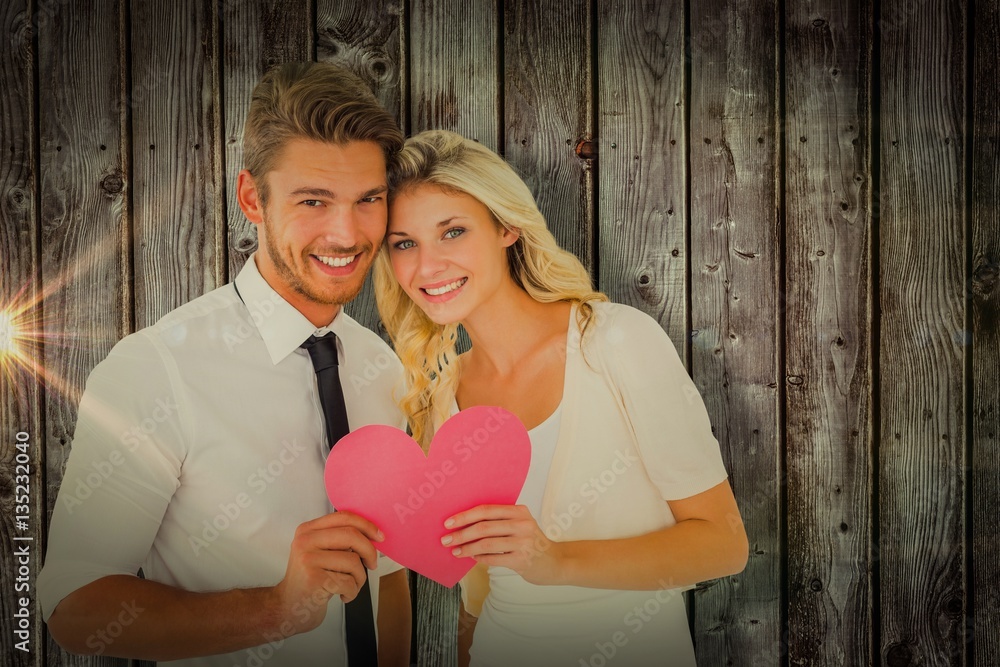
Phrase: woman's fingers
{"type": "Point", "coordinates": [485, 513]}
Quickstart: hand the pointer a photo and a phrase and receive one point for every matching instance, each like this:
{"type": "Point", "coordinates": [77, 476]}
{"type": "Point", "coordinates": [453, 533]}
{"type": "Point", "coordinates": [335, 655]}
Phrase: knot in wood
{"type": "Point", "coordinates": [246, 244]}
{"type": "Point", "coordinates": [985, 277]}
{"type": "Point", "coordinates": [795, 379]}
{"type": "Point", "coordinates": [586, 149]}
{"type": "Point", "coordinates": [113, 184]}
{"type": "Point", "coordinates": [379, 68]}
{"type": "Point", "coordinates": [17, 199]}
{"type": "Point", "coordinates": [899, 654]}
{"type": "Point", "coordinates": [954, 606]}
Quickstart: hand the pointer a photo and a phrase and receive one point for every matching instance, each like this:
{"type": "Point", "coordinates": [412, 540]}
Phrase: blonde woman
{"type": "Point", "coordinates": [627, 501]}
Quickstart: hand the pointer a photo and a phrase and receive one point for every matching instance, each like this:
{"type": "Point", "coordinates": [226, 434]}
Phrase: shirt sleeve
{"type": "Point", "coordinates": [123, 469]}
{"type": "Point", "coordinates": [664, 408]}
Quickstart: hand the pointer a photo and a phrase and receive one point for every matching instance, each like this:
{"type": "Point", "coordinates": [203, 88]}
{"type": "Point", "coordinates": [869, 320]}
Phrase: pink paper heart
{"type": "Point", "coordinates": [479, 456]}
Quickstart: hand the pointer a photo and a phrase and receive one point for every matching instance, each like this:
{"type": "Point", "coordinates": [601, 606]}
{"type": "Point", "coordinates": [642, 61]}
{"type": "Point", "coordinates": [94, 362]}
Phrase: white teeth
{"type": "Point", "coordinates": [444, 289]}
{"type": "Point", "coordinates": [336, 261]}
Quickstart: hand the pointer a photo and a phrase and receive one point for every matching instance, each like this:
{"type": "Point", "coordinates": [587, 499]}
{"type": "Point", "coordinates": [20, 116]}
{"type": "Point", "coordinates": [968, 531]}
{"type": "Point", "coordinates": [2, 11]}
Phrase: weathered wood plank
{"type": "Point", "coordinates": [20, 409]}
{"type": "Point", "coordinates": [435, 622]}
{"type": "Point", "coordinates": [735, 309]}
{"type": "Point", "coordinates": [83, 167]}
{"type": "Point", "coordinates": [985, 304]}
{"type": "Point", "coordinates": [828, 314]}
{"type": "Point", "coordinates": [173, 108]}
{"type": "Point", "coordinates": [454, 61]}
{"type": "Point", "coordinates": [642, 147]}
{"type": "Point", "coordinates": [548, 109]}
{"type": "Point", "coordinates": [922, 291]}
{"type": "Point", "coordinates": [257, 35]}
{"type": "Point", "coordinates": [366, 37]}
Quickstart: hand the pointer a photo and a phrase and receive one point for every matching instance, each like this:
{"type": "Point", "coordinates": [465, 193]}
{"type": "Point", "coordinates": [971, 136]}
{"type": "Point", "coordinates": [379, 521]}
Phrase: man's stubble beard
{"type": "Point", "coordinates": [301, 287]}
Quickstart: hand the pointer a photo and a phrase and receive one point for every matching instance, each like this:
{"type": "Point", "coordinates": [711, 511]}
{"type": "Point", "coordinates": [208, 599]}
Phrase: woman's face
{"type": "Point", "coordinates": [446, 251]}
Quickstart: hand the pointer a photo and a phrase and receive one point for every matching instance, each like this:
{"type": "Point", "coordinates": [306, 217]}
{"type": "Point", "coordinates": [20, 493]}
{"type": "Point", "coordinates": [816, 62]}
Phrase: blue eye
{"type": "Point", "coordinates": [454, 232]}
{"type": "Point", "coordinates": [404, 244]}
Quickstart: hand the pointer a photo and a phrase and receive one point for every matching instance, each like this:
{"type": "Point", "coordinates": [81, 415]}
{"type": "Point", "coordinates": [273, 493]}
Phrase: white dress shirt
{"type": "Point", "coordinates": [200, 447]}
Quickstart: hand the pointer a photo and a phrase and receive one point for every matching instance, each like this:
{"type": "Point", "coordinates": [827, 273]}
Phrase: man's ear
{"type": "Point", "coordinates": [248, 197]}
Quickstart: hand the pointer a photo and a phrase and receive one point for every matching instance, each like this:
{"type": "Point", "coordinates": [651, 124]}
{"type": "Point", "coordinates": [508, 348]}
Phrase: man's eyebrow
{"type": "Point", "coordinates": [329, 194]}
{"type": "Point", "coordinates": [313, 192]}
{"type": "Point", "coordinates": [381, 189]}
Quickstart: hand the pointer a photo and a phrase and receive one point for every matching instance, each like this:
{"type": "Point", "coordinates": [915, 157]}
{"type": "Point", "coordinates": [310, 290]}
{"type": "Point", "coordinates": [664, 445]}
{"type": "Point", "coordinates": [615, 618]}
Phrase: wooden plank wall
{"type": "Point", "coordinates": [803, 193]}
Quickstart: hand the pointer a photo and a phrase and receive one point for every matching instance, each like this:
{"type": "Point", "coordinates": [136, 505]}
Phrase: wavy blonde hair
{"type": "Point", "coordinates": [536, 262]}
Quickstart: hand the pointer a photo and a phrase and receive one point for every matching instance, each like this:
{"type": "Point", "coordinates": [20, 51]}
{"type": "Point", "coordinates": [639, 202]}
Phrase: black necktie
{"type": "Point", "coordinates": [362, 650]}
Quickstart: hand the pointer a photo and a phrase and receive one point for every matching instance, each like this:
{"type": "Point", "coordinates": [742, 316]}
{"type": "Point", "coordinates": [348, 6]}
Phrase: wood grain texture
{"type": "Point", "coordinates": [734, 309]}
{"type": "Point", "coordinates": [922, 281]}
{"type": "Point", "coordinates": [642, 146]}
{"type": "Point", "coordinates": [828, 313]}
{"type": "Point", "coordinates": [454, 68]}
{"type": "Point", "coordinates": [548, 109]}
{"type": "Point", "coordinates": [83, 167]}
{"type": "Point", "coordinates": [21, 490]}
{"type": "Point", "coordinates": [366, 37]}
{"type": "Point", "coordinates": [436, 622]}
{"type": "Point", "coordinates": [257, 35]}
{"type": "Point", "coordinates": [173, 107]}
{"type": "Point", "coordinates": [985, 304]}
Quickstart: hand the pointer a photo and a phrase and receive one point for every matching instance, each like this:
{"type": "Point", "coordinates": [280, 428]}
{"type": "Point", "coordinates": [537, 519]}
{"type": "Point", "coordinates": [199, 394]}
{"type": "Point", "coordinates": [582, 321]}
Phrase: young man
{"type": "Point", "coordinates": [201, 440]}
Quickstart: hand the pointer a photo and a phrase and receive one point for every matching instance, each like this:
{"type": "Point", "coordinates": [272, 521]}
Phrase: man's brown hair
{"type": "Point", "coordinates": [308, 100]}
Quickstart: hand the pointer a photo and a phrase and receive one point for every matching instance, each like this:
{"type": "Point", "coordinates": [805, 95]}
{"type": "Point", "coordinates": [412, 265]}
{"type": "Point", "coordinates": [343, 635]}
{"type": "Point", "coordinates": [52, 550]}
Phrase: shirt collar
{"type": "Point", "coordinates": [282, 327]}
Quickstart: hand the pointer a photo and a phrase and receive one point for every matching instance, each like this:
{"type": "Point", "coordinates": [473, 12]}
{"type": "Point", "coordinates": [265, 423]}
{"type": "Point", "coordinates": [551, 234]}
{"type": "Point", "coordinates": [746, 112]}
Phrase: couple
{"type": "Point", "coordinates": [199, 449]}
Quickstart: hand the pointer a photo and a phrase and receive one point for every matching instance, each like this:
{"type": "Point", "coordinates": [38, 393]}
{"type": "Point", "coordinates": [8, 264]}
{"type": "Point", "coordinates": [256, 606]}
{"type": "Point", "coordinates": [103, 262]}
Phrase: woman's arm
{"type": "Point", "coordinates": [708, 541]}
{"type": "Point", "coordinates": [466, 628]}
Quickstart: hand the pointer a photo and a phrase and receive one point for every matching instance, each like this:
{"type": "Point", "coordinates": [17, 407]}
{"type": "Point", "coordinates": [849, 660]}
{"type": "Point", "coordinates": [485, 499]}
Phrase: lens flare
{"type": "Point", "coordinates": [22, 337]}
{"type": "Point", "coordinates": [8, 336]}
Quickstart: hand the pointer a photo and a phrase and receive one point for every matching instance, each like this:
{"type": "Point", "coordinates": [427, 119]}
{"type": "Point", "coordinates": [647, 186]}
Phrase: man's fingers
{"type": "Point", "coordinates": [341, 572]}
{"type": "Point", "coordinates": [345, 520]}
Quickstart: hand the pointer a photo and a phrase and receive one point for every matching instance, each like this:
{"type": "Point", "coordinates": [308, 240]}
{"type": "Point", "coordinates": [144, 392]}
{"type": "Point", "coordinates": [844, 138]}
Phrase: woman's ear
{"type": "Point", "coordinates": [508, 237]}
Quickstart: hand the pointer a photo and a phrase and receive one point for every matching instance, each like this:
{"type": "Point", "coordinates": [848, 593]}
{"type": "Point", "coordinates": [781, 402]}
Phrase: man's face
{"type": "Point", "coordinates": [322, 224]}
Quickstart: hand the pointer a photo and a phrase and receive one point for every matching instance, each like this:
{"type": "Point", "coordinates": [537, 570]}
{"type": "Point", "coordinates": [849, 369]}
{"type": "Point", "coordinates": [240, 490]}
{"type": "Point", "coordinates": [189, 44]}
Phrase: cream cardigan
{"type": "Point", "coordinates": [634, 434]}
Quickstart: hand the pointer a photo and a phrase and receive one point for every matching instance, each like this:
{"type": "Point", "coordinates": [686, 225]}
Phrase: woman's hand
{"type": "Point", "coordinates": [505, 536]}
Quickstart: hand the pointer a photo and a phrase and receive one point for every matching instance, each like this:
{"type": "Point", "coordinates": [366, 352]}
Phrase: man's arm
{"type": "Point", "coordinates": [159, 622]}
{"type": "Point", "coordinates": [394, 620]}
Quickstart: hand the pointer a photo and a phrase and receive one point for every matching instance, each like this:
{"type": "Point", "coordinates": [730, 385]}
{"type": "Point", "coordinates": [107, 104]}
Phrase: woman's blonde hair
{"type": "Point", "coordinates": [536, 262]}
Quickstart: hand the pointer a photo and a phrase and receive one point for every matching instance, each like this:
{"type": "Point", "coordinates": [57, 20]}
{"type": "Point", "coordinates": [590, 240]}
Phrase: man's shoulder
{"type": "Point", "coordinates": [198, 319]}
{"type": "Point", "coordinates": [352, 331]}
{"type": "Point", "coordinates": [222, 301]}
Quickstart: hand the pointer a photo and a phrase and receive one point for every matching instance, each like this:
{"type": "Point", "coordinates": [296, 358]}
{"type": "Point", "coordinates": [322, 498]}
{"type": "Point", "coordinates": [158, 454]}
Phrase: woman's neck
{"type": "Point", "coordinates": [509, 329]}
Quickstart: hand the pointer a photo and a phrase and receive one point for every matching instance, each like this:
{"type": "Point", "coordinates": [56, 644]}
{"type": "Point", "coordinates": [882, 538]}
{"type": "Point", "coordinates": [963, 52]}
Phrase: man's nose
{"type": "Point", "coordinates": [342, 227]}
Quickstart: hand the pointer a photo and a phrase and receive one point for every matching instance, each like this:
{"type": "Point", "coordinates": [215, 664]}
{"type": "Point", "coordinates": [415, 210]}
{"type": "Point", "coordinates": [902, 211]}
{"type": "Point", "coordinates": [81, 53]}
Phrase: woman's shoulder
{"type": "Point", "coordinates": [617, 323]}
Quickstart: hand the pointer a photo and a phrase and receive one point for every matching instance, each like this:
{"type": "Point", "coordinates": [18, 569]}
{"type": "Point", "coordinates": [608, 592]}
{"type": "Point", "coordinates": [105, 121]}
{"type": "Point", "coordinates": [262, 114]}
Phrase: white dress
{"type": "Point", "coordinates": [522, 624]}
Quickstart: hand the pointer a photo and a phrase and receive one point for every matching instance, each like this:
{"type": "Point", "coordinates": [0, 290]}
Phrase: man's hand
{"type": "Point", "coordinates": [328, 557]}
